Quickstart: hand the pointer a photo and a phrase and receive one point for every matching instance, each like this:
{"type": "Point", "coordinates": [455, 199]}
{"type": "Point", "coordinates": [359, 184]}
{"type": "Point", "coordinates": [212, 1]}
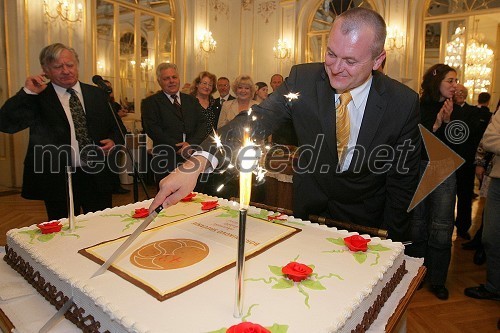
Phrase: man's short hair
{"type": "Point", "coordinates": [354, 18]}
{"type": "Point", "coordinates": [163, 66]}
{"type": "Point", "coordinates": [281, 76]}
{"type": "Point", "coordinates": [51, 53]}
{"type": "Point", "coordinates": [483, 98]}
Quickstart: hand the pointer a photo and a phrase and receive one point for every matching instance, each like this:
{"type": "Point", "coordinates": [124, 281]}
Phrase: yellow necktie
{"type": "Point", "coordinates": [342, 124]}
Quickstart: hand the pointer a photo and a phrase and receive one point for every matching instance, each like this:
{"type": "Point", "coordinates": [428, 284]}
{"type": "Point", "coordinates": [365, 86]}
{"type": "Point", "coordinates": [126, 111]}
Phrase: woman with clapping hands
{"type": "Point", "coordinates": [433, 218]}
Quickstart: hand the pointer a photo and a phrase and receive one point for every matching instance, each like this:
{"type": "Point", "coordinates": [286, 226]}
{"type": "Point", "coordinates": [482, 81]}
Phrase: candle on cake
{"type": "Point", "coordinates": [71, 209]}
{"type": "Point", "coordinates": [247, 160]}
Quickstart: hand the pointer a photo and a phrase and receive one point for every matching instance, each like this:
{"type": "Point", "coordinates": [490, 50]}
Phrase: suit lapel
{"type": "Point", "coordinates": [167, 106]}
{"type": "Point", "coordinates": [53, 103]}
{"type": "Point", "coordinates": [326, 102]}
{"type": "Point", "coordinates": [375, 108]}
{"type": "Point", "coordinates": [88, 101]}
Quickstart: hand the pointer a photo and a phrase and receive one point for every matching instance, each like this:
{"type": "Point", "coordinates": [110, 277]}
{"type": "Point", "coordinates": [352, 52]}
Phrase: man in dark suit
{"type": "Point", "coordinates": [173, 120]}
{"type": "Point", "coordinates": [59, 137]}
{"type": "Point", "coordinates": [276, 81]}
{"type": "Point", "coordinates": [483, 114]}
{"type": "Point", "coordinates": [224, 89]}
{"type": "Point", "coordinates": [285, 134]}
{"type": "Point", "coordinates": [477, 119]}
{"type": "Point", "coordinates": [372, 183]}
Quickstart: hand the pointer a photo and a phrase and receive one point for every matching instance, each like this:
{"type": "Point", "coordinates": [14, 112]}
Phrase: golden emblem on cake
{"type": "Point", "coordinates": [169, 254]}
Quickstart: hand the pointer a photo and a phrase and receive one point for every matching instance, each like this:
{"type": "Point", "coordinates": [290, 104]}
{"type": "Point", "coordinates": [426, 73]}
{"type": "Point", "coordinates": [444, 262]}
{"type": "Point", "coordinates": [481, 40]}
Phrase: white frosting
{"type": "Point", "coordinates": [121, 307]}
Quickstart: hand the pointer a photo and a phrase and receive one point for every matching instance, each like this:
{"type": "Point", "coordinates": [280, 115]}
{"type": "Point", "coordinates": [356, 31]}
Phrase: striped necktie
{"type": "Point", "coordinates": [79, 121]}
{"type": "Point", "coordinates": [342, 123]}
{"type": "Point", "coordinates": [176, 102]}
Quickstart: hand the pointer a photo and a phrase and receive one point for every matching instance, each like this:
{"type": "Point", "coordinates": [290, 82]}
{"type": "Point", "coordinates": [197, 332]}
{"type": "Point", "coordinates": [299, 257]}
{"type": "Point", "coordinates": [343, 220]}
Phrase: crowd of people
{"type": "Point", "coordinates": [340, 177]}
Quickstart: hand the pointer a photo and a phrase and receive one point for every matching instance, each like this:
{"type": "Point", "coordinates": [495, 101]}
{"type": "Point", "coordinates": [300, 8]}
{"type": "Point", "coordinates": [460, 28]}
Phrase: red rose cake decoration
{"type": "Point", "coordinates": [50, 227]}
{"type": "Point", "coordinates": [140, 213]}
{"type": "Point", "coordinates": [357, 243]}
{"type": "Point", "coordinates": [188, 197]}
{"type": "Point", "coordinates": [296, 271]}
{"type": "Point", "coordinates": [207, 205]}
{"type": "Point", "coordinates": [247, 327]}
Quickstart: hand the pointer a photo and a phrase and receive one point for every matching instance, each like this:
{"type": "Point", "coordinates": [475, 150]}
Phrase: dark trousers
{"type": "Point", "coordinates": [465, 190]}
{"type": "Point", "coordinates": [86, 197]}
{"type": "Point", "coordinates": [432, 229]}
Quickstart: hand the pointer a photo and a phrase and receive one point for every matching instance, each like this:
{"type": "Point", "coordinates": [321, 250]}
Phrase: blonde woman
{"type": "Point", "coordinates": [244, 89]}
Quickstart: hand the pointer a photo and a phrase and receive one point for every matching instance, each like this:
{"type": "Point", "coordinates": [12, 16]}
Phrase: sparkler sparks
{"type": "Point", "coordinates": [260, 172]}
{"type": "Point", "coordinates": [291, 96]}
{"type": "Point", "coordinates": [217, 140]}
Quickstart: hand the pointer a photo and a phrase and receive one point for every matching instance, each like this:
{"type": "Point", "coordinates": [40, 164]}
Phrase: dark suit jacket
{"type": "Point", "coordinates": [229, 98]}
{"type": "Point", "coordinates": [165, 125]}
{"type": "Point", "coordinates": [44, 176]}
{"type": "Point", "coordinates": [371, 193]}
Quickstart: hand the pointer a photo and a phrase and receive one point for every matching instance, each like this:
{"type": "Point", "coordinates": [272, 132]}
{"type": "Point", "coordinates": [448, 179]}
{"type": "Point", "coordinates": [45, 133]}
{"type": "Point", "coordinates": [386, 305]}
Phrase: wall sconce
{"type": "Point", "coordinates": [395, 40]}
{"type": "Point", "coordinates": [206, 41]}
{"type": "Point", "coordinates": [282, 49]}
{"type": "Point", "coordinates": [100, 66]}
{"type": "Point", "coordinates": [63, 11]}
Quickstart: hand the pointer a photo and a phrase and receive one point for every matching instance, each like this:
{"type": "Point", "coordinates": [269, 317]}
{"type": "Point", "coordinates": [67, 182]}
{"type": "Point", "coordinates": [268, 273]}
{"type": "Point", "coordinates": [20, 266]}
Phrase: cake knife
{"type": "Point", "coordinates": [147, 221]}
{"type": "Point", "coordinates": [128, 241]}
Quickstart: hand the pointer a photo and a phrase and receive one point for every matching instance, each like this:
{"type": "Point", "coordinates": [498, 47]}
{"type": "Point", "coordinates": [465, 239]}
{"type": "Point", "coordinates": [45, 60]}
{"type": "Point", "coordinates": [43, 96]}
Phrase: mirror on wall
{"type": "Point", "coordinates": [165, 41]}
{"type": "Point", "coordinates": [469, 31]}
{"type": "Point", "coordinates": [132, 38]}
{"type": "Point", "coordinates": [149, 55]}
{"type": "Point", "coordinates": [316, 44]}
{"type": "Point", "coordinates": [432, 44]}
{"type": "Point", "coordinates": [105, 40]}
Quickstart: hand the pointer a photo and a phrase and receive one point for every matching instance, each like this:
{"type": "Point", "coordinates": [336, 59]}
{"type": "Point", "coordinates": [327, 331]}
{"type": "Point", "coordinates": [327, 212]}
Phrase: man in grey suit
{"type": "Point", "coordinates": [373, 181]}
{"type": "Point", "coordinates": [173, 120]}
{"type": "Point", "coordinates": [59, 137]}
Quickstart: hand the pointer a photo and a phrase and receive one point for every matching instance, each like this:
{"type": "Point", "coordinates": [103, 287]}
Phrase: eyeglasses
{"type": "Point", "coordinates": [222, 85]}
{"type": "Point", "coordinates": [460, 93]}
{"type": "Point", "coordinates": [451, 80]}
{"type": "Point", "coordinates": [207, 84]}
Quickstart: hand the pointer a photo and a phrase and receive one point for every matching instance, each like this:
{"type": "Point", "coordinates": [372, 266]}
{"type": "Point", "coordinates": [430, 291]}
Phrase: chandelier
{"type": "Point", "coordinates": [282, 49]}
{"type": "Point", "coordinates": [206, 42]}
{"type": "Point", "coordinates": [455, 49]}
{"type": "Point", "coordinates": [63, 11]}
{"type": "Point", "coordinates": [478, 63]}
{"type": "Point", "coordinates": [478, 70]}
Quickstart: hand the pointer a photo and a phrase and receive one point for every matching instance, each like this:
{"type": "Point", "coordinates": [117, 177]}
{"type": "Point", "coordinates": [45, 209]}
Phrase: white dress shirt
{"type": "Point", "coordinates": [356, 109]}
{"type": "Point", "coordinates": [64, 96]}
